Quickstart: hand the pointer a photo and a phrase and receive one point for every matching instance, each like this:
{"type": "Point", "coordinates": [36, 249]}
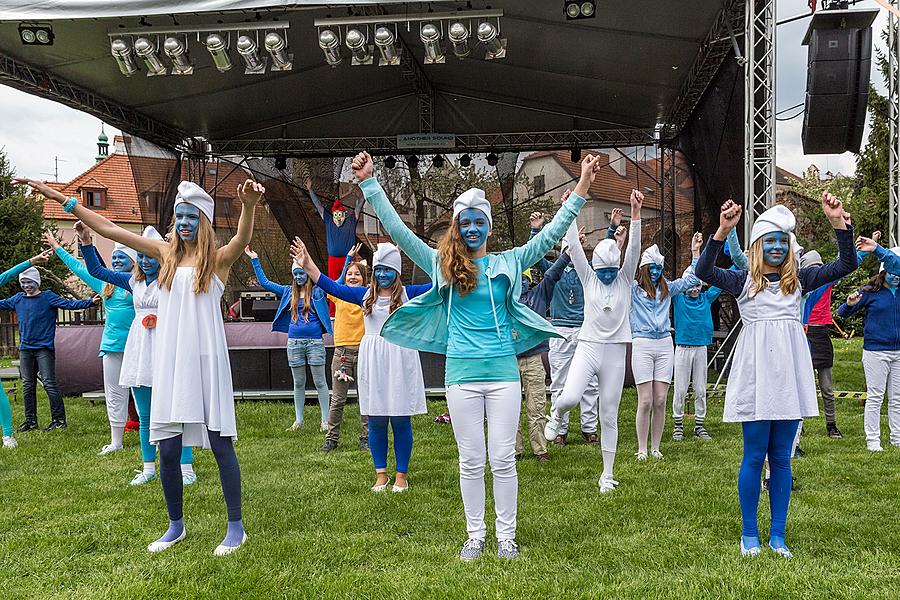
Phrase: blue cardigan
{"type": "Point", "coordinates": [882, 329]}
{"type": "Point", "coordinates": [283, 293]}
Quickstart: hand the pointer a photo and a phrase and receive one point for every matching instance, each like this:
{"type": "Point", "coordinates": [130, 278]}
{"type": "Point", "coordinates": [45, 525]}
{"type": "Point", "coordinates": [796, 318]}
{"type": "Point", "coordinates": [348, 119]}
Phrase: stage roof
{"type": "Point", "coordinates": [603, 81]}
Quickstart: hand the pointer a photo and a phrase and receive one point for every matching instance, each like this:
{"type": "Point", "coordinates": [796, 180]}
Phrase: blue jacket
{"type": "Point", "coordinates": [882, 329]}
{"type": "Point", "coordinates": [422, 323]}
{"type": "Point", "coordinates": [693, 318]}
{"type": "Point", "coordinates": [283, 292]}
{"type": "Point", "coordinates": [538, 297]}
{"type": "Point", "coordinates": [650, 316]}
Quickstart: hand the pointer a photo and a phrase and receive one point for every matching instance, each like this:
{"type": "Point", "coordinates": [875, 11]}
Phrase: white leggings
{"type": "Point", "coordinates": [606, 363]}
{"type": "Point", "coordinates": [468, 403]}
{"type": "Point", "coordinates": [690, 367]}
{"type": "Point", "coordinates": [116, 395]}
{"type": "Point", "coordinates": [882, 374]}
{"type": "Point", "coordinates": [562, 350]}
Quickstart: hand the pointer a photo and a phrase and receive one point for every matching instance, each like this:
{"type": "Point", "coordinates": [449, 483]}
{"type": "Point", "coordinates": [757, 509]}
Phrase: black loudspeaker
{"type": "Point", "coordinates": [837, 80]}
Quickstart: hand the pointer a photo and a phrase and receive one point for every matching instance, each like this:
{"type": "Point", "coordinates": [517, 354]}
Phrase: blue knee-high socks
{"type": "Point", "coordinates": [142, 396]}
{"type": "Point", "coordinates": [5, 414]}
{"type": "Point", "coordinates": [776, 439]}
{"type": "Point", "coordinates": [403, 441]}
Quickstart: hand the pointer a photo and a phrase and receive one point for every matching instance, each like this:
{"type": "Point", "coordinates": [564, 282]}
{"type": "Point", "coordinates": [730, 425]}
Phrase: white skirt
{"type": "Point", "coordinates": [390, 379]}
{"type": "Point", "coordinates": [652, 360]}
{"type": "Point", "coordinates": [771, 378]}
{"type": "Point", "coordinates": [137, 362]}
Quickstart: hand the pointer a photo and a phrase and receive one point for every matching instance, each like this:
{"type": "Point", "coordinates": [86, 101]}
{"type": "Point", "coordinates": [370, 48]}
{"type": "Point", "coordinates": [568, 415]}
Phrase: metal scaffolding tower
{"type": "Point", "coordinates": [894, 123]}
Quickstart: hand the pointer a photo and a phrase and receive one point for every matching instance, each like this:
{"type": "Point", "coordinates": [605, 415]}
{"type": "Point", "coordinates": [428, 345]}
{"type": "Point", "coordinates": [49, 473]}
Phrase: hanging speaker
{"type": "Point", "coordinates": [837, 80]}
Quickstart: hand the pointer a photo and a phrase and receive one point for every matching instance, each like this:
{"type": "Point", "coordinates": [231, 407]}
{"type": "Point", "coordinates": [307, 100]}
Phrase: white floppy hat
{"type": "Point", "coordinates": [151, 233]}
{"type": "Point", "coordinates": [606, 255]}
{"type": "Point", "coordinates": [195, 195]}
{"type": "Point", "coordinates": [130, 252]}
{"type": "Point", "coordinates": [387, 255]}
{"type": "Point", "coordinates": [473, 198]}
{"type": "Point", "coordinates": [652, 255]}
{"type": "Point", "coordinates": [777, 218]}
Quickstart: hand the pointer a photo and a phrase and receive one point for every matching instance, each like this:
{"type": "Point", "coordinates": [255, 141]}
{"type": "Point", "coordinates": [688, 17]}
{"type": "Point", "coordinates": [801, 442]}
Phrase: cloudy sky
{"type": "Point", "coordinates": [42, 130]}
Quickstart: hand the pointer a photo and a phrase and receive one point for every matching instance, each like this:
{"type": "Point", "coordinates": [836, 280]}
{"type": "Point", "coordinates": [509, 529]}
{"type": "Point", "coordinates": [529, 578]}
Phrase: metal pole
{"type": "Point", "coordinates": [723, 344]}
{"type": "Point", "coordinates": [894, 126]}
{"type": "Point", "coordinates": [725, 367]}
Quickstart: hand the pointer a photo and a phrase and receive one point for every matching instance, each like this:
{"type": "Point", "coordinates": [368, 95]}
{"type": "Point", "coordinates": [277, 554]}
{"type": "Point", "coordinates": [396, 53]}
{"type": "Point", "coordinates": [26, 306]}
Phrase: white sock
{"type": "Point", "coordinates": [117, 432]}
{"type": "Point", "coordinates": [150, 467]}
{"type": "Point", "coordinates": [187, 469]}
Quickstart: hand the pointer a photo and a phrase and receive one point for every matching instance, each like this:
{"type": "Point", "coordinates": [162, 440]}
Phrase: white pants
{"type": "Point", "coordinates": [597, 362]}
{"type": "Point", "coordinates": [882, 371]}
{"type": "Point", "coordinates": [115, 394]}
{"type": "Point", "coordinates": [690, 367]}
{"type": "Point", "coordinates": [501, 402]}
{"type": "Point", "coordinates": [562, 350]}
{"type": "Point", "coordinates": [651, 360]}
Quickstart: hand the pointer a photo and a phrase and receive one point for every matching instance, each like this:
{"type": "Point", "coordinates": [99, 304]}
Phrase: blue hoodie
{"type": "Point", "coordinates": [693, 318]}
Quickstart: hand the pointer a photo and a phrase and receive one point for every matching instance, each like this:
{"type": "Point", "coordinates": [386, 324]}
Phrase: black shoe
{"type": "Point", "coordinates": [364, 445]}
{"type": "Point", "coordinates": [798, 453]}
{"type": "Point", "coordinates": [27, 426]}
{"type": "Point", "coordinates": [833, 432]}
{"type": "Point", "coordinates": [328, 446]}
{"type": "Point", "coordinates": [55, 425]}
{"type": "Point", "coordinates": [794, 486]}
{"type": "Point", "coordinates": [766, 484]}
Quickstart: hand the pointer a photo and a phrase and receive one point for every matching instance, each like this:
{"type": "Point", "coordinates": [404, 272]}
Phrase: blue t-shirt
{"type": "Point", "coordinates": [37, 317]}
{"type": "Point", "coordinates": [310, 328]}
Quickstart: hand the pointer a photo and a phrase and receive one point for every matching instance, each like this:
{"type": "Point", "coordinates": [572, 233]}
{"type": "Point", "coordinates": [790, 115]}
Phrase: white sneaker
{"type": "Point", "coordinates": [159, 546]}
{"type": "Point", "coordinates": [874, 448]}
{"type": "Point", "coordinates": [323, 427]}
{"type": "Point", "coordinates": [399, 490]}
{"type": "Point", "coordinates": [108, 449]}
{"type": "Point", "coordinates": [607, 484]}
{"type": "Point", "coordinates": [188, 478]}
{"type": "Point", "coordinates": [640, 455]}
{"type": "Point", "coordinates": [551, 429]}
{"type": "Point", "coordinates": [297, 425]}
{"type": "Point", "coordinates": [143, 477]}
{"type": "Point", "coordinates": [656, 454]}
{"type": "Point", "coordinates": [10, 442]}
{"type": "Point", "coordinates": [381, 488]}
{"type": "Point", "coordinates": [226, 550]}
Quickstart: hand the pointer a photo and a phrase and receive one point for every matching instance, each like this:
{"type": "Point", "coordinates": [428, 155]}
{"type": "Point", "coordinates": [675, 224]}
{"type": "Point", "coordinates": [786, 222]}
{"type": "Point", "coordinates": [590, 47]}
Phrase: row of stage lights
{"type": "Point", "coordinates": [412, 161]}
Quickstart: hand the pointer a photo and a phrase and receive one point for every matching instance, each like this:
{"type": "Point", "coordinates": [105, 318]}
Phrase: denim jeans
{"type": "Point", "coordinates": [43, 361]}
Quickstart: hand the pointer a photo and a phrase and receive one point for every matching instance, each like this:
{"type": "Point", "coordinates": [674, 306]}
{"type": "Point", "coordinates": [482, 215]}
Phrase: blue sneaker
{"type": "Point", "coordinates": [750, 546]}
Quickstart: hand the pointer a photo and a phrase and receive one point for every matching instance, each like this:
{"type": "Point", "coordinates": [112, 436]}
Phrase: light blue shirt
{"type": "Point", "coordinates": [650, 316]}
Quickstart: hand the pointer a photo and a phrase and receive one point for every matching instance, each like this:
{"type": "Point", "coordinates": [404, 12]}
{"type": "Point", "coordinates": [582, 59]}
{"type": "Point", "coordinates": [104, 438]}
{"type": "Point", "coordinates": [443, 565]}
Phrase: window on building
{"type": "Point", "coordinates": [94, 198]}
{"type": "Point", "coordinates": [540, 186]}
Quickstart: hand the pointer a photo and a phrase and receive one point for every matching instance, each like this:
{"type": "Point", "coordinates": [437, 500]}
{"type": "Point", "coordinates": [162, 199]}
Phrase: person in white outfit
{"type": "Point", "coordinates": [604, 336]}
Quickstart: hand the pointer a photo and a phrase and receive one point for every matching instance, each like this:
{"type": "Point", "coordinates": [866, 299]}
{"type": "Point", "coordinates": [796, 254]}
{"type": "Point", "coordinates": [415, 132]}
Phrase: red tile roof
{"type": "Point", "coordinates": [112, 174]}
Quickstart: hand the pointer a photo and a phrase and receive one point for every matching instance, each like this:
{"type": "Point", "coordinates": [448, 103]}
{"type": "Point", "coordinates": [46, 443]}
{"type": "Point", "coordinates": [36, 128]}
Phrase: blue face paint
{"type": "Point", "coordinates": [384, 276]}
{"type": "Point", "coordinates": [299, 276]}
{"type": "Point", "coordinates": [28, 286]}
{"type": "Point", "coordinates": [474, 228]}
{"type": "Point", "coordinates": [121, 262]}
{"type": "Point", "coordinates": [607, 275]}
{"type": "Point", "coordinates": [187, 221]}
{"type": "Point", "coordinates": [775, 248]}
{"type": "Point", "coordinates": [655, 273]}
{"type": "Point", "coordinates": [149, 266]}
{"type": "Point", "coordinates": [891, 279]}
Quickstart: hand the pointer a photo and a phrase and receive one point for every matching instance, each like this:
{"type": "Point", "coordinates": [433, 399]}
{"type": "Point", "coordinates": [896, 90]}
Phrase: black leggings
{"type": "Point", "coordinates": [229, 474]}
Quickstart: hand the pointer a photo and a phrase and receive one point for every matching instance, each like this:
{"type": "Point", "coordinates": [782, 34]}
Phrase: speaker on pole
{"type": "Point", "coordinates": [837, 80]}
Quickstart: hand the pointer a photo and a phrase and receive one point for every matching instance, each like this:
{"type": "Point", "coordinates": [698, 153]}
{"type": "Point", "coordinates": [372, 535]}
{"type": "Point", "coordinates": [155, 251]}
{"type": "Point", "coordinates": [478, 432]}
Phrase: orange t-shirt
{"type": "Point", "coordinates": [348, 323]}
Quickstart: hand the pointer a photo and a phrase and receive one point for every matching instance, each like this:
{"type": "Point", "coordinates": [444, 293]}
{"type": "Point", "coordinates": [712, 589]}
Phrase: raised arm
{"type": "Point", "coordinates": [729, 280]}
{"type": "Point", "coordinates": [12, 273]}
{"type": "Point", "coordinates": [99, 223]}
{"type": "Point", "coordinates": [77, 268]}
{"type": "Point", "coordinates": [346, 293]}
{"type": "Point", "coordinates": [576, 253]}
{"type": "Point", "coordinates": [417, 250]}
{"type": "Point", "coordinates": [633, 249]}
{"type": "Point", "coordinates": [738, 257]}
{"type": "Point", "coordinates": [552, 275]}
{"type": "Point", "coordinates": [97, 270]}
{"type": "Point", "coordinates": [65, 304]}
{"type": "Point", "coordinates": [536, 220]}
{"type": "Point", "coordinates": [315, 200]}
{"type": "Point", "coordinates": [866, 245]}
{"type": "Point", "coordinates": [679, 286]}
{"type": "Point", "coordinates": [815, 277]}
{"type": "Point", "coordinates": [269, 286]}
{"type": "Point", "coordinates": [249, 193]}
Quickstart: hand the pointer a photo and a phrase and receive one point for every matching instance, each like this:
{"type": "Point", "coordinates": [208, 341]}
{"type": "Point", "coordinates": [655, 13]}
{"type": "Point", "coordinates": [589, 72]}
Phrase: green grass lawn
{"type": "Point", "coordinates": [72, 527]}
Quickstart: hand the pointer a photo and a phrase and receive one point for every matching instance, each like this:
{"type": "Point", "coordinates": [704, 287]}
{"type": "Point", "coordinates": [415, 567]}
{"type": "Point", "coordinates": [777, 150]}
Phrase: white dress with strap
{"type": "Point", "coordinates": [771, 378]}
{"type": "Point", "coordinates": [192, 388]}
{"type": "Point", "coordinates": [137, 362]}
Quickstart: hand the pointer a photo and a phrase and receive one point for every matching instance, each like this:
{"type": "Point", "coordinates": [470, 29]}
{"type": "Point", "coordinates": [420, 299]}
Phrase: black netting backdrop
{"type": "Point", "coordinates": [506, 174]}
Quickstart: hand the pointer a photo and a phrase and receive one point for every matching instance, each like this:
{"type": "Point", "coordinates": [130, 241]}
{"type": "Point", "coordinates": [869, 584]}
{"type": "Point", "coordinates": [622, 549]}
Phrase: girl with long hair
{"type": "Point", "coordinates": [391, 387]}
{"type": "Point", "coordinates": [474, 317]}
{"type": "Point", "coordinates": [652, 352]}
{"type": "Point", "coordinates": [193, 401]}
{"type": "Point", "coordinates": [119, 311]}
{"type": "Point", "coordinates": [137, 360]}
{"type": "Point", "coordinates": [771, 385]}
{"type": "Point", "coordinates": [303, 315]}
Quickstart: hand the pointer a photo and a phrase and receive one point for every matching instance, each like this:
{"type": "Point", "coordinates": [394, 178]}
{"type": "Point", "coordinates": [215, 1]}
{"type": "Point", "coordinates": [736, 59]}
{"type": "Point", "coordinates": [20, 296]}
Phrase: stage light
{"type": "Point", "coordinates": [465, 160]}
{"type": "Point", "coordinates": [218, 49]}
{"type": "Point", "coordinates": [390, 162]}
{"type": "Point", "coordinates": [36, 35]}
{"type": "Point", "coordinates": [576, 155]}
{"type": "Point", "coordinates": [431, 39]}
{"type": "Point", "coordinates": [276, 46]}
{"type": "Point", "coordinates": [146, 49]}
{"type": "Point", "coordinates": [249, 51]}
{"type": "Point", "coordinates": [412, 162]}
{"type": "Point", "coordinates": [437, 161]}
{"type": "Point", "coordinates": [124, 55]}
{"type": "Point", "coordinates": [492, 159]}
{"type": "Point", "coordinates": [331, 47]}
{"type": "Point", "coordinates": [361, 54]}
{"type": "Point", "coordinates": [494, 45]}
{"type": "Point", "coordinates": [384, 41]}
{"type": "Point", "coordinates": [281, 163]}
{"type": "Point", "coordinates": [177, 51]}
{"type": "Point", "coordinates": [459, 37]}
{"type": "Point", "coordinates": [577, 9]}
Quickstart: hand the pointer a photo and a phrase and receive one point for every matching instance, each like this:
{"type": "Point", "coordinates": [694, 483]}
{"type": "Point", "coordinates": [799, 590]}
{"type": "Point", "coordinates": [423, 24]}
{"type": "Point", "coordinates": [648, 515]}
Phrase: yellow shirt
{"type": "Point", "coordinates": [348, 323]}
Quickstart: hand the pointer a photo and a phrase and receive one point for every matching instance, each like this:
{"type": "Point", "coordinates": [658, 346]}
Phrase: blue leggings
{"type": "Point", "coordinates": [148, 450]}
{"type": "Point", "coordinates": [5, 413]}
{"type": "Point", "coordinates": [775, 438]}
{"type": "Point", "coordinates": [403, 441]}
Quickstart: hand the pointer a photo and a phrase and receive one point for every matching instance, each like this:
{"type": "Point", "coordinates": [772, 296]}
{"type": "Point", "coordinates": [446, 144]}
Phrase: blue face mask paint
{"type": "Point", "coordinates": [299, 276]}
{"type": "Point", "coordinates": [891, 279]}
{"type": "Point", "coordinates": [775, 248]}
{"type": "Point", "coordinates": [149, 266]}
{"type": "Point", "coordinates": [384, 276]}
{"type": "Point", "coordinates": [655, 273]}
{"type": "Point", "coordinates": [474, 228]}
{"type": "Point", "coordinates": [187, 221]}
{"type": "Point", "coordinates": [121, 262]}
{"type": "Point", "coordinates": [607, 275]}
{"type": "Point", "coordinates": [28, 286]}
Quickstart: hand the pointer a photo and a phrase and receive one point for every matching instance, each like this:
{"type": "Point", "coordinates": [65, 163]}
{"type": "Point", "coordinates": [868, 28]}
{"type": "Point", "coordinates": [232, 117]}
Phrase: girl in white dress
{"type": "Point", "coordinates": [193, 401]}
{"type": "Point", "coordinates": [391, 387]}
